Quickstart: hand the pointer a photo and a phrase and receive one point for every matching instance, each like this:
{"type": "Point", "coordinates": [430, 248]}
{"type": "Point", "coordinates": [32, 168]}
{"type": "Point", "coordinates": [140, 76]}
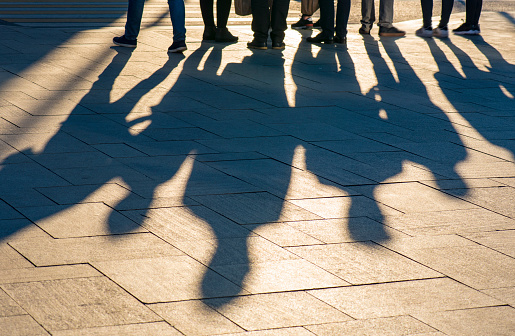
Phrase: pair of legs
{"type": "Point", "coordinates": [265, 17]}
{"type": "Point", "coordinates": [327, 22]}
{"type": "Point", "coordinates": [385, 22]}
{"type": "Point", "coordinates": [427, 12]}
{"type": "Point", "coordinates": [135, 14]}
{"type": "Point", "coordinates": [212, 31]}
{"type": "Point", "coordinates": [471, 25]}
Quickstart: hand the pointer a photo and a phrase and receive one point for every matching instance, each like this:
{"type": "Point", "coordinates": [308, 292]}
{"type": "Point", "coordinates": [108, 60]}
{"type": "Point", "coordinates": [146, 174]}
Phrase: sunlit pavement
{"type": "Point", "coordinates": [359, 189]}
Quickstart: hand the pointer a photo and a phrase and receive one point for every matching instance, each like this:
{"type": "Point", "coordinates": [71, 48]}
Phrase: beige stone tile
{"type": "Point", "coordinates": [21, 325]}
{"type": "Point", "coordinates": [156, 328]}
{"type": "Point", "coordinates": [47, 273]}
{"type": "Point", "coordinates": [167, 279]}
{"type": "Point", "coordinates": [338, 207]}
{"type": "Point", "coordinates": [279, 276]}
{"type": "Point", "coordinates": [481, 321]}
{"type": "Point", "coordinates": [19, 229]}
{"type": "Point", "coordinates": [346, 230]}
{"type": "Point", "coordinates": [283, 234]}
{"type": "Point", "coordinates": [8, 307]}
{"type": "Point", "coordinates": [10, 259]}
{"type": "Point", "coordinates": [277, 310]}
{"type": "Point", "coordinates": [295, 331]}
{"type": "Point", "coordinates": [402, 298]}
{"type": "Point", "coordinates": [498, 199]}
{"type": "Point", "coordinates": [502, 241]}
{"type": "Point", "coordinates": [360, 263]}
{"type": "Point", "coordinates": [78, 303]}
{"type": "Point", "coordinates": [506, 181]}
{"type": "Point", "coordinates": [450, 222]}
{"type": "Point", "coordinates": [389, 326]}
{"type": "Point", "coordinates": [194, 318]}
{"type": "Point", "coordinates": [506, 294]}
{"type": "Point", "coordinates": [82, 250]}
{"type": "Point", "coordinates": [470, 263]}
{"type": "Point", "coordinates": [255, 208]}
{"type": "Point", "coordinates": [81, 220]}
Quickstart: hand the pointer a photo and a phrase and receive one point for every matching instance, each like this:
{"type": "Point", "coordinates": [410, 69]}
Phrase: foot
{"type": "Point", "coordinates": [467, 29]}
{"type": "Point", "coordinates": [364, 30]}
{"type": "Point", "coordinates": [340, 39]}
{"type": "Point", "coordinates": [278, 45]}
{"type": "Point", "coordinates": [305, 22]}
{"type": "Point", "coordinates": [320, 38]}
{"type": "Point", "coordinates": [391, 31]}
{"type": "Point", "coordinates": [316, 25]}
{"type": "Point", "coordinates": [441, 32]}
{"type": "Point", "coordinates": [424, 32]}
{"type": "Point", "coordinates": [224, 35]}
{"type": "Point", "coordinates": [177, 47]}
{"type": "Point", "coordinates": [257, 45]}
{"type": "Point", "coordinates": [209, 33]}
{"type": "Point", "coordinates": [122, 41]}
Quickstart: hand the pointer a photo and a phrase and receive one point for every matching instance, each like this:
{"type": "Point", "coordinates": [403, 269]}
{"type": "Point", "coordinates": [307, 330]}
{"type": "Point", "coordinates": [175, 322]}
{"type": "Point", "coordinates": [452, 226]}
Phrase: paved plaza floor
{"type": "Point", "coordinates": [358, 189]}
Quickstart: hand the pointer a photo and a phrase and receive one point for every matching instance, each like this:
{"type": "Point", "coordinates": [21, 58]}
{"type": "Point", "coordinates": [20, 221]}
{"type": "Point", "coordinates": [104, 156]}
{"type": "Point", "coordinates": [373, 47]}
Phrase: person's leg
{"type": "Point", "coordinates": [206, 8]}
{"type": "Point", "coordinates": [447, 6]}
{"type": "Point", "coordinates": [134, 15]}
{"type": "Point", "coordinates": [260, 20]}
{"type": "Point", "coordinates": [477, 12]}
{"type": "Point", "coordinates": [342, 17]}
{"type": "Point", "coordinates": [223, 8]}
{"type": "Point", "coordinates": [367, 14]}
{"type": "Point", "coordinates": [278, 19]}
{"type": "Point", "coordinates": [385, 13]}
{"type": "Point", "coordinates": [178, 16]}
{"type": "Point", "coordinates": [427, 12]}
{"type": "Point", "coordinates": [327, 17]}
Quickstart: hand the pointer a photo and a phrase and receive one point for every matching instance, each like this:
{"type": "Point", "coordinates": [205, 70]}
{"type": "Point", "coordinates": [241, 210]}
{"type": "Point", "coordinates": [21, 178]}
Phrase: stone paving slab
{"type": "Point", "coordinates": [360, 189]}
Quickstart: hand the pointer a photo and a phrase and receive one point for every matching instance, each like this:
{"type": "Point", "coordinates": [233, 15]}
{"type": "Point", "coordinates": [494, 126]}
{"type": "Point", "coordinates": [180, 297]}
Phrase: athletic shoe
{"type": "Point", "coordinates": [391, 31]}
{"type": "Point", "coordinates": [305, 22]}
{"type": "Point", "coordinates": [467, 29]}
{"type": "Point", "coordinates": [177, 47]}
{"type": "Point", "coordinates": [257, 45]}
{"type": "Point", "coordinates": [424, 32]}
{"type": "Point", "coordinates": [441, 32]}
{"type": "Point", "coordinates": [122, 41]}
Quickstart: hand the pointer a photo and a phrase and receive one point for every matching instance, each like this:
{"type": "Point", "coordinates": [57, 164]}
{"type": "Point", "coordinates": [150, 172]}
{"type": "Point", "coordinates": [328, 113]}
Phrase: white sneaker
{"type": "Point", "coordinates": [424, 32]}
{"type": "Point", "coordinates": [441, 32]}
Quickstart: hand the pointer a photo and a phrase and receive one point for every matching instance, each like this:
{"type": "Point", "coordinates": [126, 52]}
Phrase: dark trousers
{"type": "Point", "coordinates": [223, 7]}
{"type": "Point", "coordinates": [327, 17]}
{"type": "Point", "coordinates": [427, 12]}
{"type": "Point", "coordinates": [265, 17]}
{"type": "Point", "coordinates": [473, 9]}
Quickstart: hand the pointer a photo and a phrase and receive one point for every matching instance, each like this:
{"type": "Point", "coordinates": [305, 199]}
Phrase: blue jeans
{"type": "Point", "coordinates": [385, 13]}
{"type": "Point", "coordinates": [177, 14]}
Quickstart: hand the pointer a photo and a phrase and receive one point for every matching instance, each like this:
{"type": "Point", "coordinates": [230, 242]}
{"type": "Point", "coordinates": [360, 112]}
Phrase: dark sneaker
{"type": "Point", "coordinates": [122, 41]}
{"type": "Point", "coordinates": [424, 32]}
{"type": "Point", "coordinates": [278, 45]}
{"type": "Point", "coordinates": [316, 25]}
{"type": "Point", "coordinates": [467, 29]}
{"type": "Point", "coordinates": [177, 47]}
{"type": "Point", "coordinates": [320, 38]}
{"type": "Point", "coordinates": [257, 45]}
{"type": "Point", "coordinates": [305, 22]}
{"type": "Point", "coordinates": [364, 30]}
{"type": "Point", "coordinates": [340, 39]}
{"type": "Point", "coordinates": [209, 33]}
{"type": "Point", "coordinates": [441, 32]}
{"type": "Point", "coordinates": [224, 35]}
{"type": "Point", "coordinates": [391, 31]}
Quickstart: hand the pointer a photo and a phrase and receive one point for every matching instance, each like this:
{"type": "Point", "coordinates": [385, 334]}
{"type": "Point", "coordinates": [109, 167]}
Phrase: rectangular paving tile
{"type": "Point", "coordinates": [195, 318]}
{"type": "Point", "coordinates": [388, 326]}
{"type": "Point", "coordinates": [8, 307]}
{"type": "Point", "coordinates": [363, 263]}
{"type": "Point", "coordinates": [154, 328]}
{"type": "Point", "coordinates": [167, 279]}
{"type": "Point", "coordinates": [13, 229]}
{"type": "Point", "coordinates": [82, 250]}
{"type": "Point", "coordinates": [254, 208]}
{"type": "Point", "coordinates": [11, 259]}
{"type": "Point", "coordinates": [78, 303]}
{"type": "Point", "coordinates": [502, 241]}
{"type": "Point", "coordinates": [467, 262]}
{"type": "Point", "coordinates": [293, 331]}
{"type": "Point", "coordinates": [506, 294]}
{"type": "Point", "coordinates": [47, 273]}
{"type": "Point", "coordinates": [279, 276]}
{"type": "Point", "coordinates": [283, 234]}
{"type": "Point", "coordinates": [498, 199]}
{"type": "Point", "coordinates": [479, 321]}
{"type": "Point", "coordinates": [402, 298]}
{"type": "Point", "coordinates": [21, 325]}
{"type": "Point", "coordinates": [277, 310]}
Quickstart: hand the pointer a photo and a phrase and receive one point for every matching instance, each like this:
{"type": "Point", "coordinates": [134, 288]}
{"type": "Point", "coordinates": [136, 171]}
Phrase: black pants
{"type": "Point", "coordinates": [327, 17]}
{"type": "Point", "coordinates": [223, 8]}
{"type": "Point", "coordinates": [265, 17]}
{"type": "Point", "coordinates": [427, 12]}
{"type": "Point", "coordinates": [473, 9]}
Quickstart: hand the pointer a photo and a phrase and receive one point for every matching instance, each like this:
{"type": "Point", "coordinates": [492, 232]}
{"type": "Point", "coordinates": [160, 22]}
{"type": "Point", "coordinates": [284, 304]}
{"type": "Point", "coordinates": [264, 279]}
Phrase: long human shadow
{"type": "Point", "coordinates": [495, 100]}
{"type": "Point", "coordinates": [84, 127]}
